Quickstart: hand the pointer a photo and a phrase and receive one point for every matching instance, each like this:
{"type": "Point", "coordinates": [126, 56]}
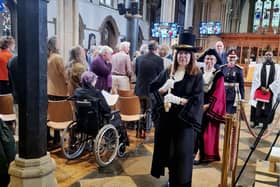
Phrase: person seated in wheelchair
{"type": "Point", "coordinates": [92, 110]}
{"type": "Point", "coordinates": [90, 105]}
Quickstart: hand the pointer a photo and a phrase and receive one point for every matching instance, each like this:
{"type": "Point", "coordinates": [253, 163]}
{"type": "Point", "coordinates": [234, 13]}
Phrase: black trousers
{"type": "Point", "coordinates": [5, 87]}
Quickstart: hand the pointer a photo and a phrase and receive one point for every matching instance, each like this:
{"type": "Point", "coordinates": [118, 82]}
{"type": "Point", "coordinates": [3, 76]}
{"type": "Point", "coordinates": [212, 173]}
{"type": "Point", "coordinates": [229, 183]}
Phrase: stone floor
{"type": "Point", "coordinates": [134, 169]}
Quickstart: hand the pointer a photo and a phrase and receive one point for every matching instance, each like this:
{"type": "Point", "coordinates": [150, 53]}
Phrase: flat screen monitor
{"type": "Point", "coordinates": [164, 30]}
{"type": "Point", "coordinates": [210, 28]}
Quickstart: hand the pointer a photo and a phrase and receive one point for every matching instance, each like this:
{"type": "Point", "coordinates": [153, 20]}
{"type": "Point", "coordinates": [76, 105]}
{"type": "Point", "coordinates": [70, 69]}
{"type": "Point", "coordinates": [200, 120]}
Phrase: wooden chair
{"type": "Point", "coordinates": [126, 93]}
{"type": "Point", "coordinates": [7, 111]}
{"type": "Point", "coordinates": [60, 114]}
{"type": "Point", "coordinates": [130, 111]}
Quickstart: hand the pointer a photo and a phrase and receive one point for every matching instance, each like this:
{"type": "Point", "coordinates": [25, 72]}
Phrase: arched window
{"type": "Point", "coordinates": [5, 21]}
{"type": "Point", "coordinates": [262, 14]}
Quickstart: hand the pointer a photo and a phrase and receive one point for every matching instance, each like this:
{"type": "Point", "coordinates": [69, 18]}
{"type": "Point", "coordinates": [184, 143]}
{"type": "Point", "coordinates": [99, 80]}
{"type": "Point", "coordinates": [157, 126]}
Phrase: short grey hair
{"type": "Point", "coordinates": [105, 49]}
{"type": "Point", "coordinates": [124, 45]}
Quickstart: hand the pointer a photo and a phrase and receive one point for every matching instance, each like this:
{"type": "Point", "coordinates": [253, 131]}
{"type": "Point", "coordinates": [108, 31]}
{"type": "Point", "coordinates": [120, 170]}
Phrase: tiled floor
{"type": "Point", "coordinates": [134, 169]}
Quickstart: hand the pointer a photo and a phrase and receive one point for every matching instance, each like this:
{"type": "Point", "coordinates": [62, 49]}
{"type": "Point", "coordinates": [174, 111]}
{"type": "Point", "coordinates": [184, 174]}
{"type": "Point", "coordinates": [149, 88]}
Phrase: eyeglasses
{"type": "Point", "coordinates": [268, 54]}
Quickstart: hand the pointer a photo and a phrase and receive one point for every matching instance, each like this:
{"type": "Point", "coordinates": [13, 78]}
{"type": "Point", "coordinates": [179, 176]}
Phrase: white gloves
{"type": "Point", "coordinates": [172, 99]}
{"type": "Point", "coordinates": [167, 85]}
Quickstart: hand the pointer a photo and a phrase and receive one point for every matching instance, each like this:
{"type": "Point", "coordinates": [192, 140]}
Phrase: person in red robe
{"type": "Point", "coordinates": [207, 144]}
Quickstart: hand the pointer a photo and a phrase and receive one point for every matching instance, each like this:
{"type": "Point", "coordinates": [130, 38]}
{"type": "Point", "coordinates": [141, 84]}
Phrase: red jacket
{"type": "Point", "coordinates": [5, 56]}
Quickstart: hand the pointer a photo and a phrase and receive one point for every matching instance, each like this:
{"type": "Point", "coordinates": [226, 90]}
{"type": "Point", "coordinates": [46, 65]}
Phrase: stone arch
{"type": "Point", "coordinates": [82, 27]}
{"type": "Point", "coordinates": [11, 5]}
{"type": "Point", "coordinates": [140, 37]}
{"type": "Point", "coordinates": [109, 32]}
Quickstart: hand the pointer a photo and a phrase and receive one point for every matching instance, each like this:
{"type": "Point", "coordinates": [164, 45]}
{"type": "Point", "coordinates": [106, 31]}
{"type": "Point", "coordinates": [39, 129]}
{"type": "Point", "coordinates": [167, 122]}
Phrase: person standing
{"type": "Point", "coordinates": [207, 145]}
{"type": "Point", "coordinates": [147, 67]}
{"type": "Point", "coordinates": [121, 68]}
{"type": "Point", "coordinates": [220, 49]}
{"type": "Point", "coordinates": [102, 66]}
{"type": "Point", "coordinates": [7, 46]}
{"type": "Point", "coordinates": [163, 53]}
{"type": "Point", "coordinates": [77, 65]}
{"type": "Point", "coordinates": [234, 81]}
{"type": "Point", "coordinates": [56, 82]}
{"type": "Point", "coordinates": [267, 80]}
{"type": "Point", "coordinates": [175, 132]}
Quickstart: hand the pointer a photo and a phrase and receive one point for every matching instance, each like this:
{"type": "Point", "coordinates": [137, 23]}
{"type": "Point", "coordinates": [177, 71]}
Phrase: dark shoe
{"type": "Point", "coordinates": [196, 162]}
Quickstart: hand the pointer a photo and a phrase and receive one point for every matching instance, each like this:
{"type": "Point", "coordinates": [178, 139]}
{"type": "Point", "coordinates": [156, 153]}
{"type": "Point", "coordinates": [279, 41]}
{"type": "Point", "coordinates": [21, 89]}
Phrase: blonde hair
{"type": "Point", "coordinates": [163, 50]}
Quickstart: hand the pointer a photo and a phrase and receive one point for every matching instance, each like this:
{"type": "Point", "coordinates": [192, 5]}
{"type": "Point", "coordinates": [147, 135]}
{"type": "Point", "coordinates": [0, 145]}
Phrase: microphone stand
{"type": "Point", "coordinates": [253, 147]}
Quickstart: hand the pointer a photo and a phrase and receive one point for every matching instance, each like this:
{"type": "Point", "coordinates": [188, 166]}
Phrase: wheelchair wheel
{"type": "Point", "coordinates": [121, 150]}
{"type": "Point", "coordinates": [73, 141]}
{"type": "Point", "coordinates": [106, 145]}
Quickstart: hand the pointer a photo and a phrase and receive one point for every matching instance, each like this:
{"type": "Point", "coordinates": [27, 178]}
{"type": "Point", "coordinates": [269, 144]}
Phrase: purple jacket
{"type": "Point", "coordinates": [103, 70]}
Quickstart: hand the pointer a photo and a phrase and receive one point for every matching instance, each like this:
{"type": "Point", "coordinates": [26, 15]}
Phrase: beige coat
{"type": "Point", "coordinates": [57, 85]}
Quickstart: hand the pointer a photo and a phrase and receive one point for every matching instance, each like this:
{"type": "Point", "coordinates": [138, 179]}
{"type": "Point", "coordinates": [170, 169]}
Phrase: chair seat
{"type": "Point", "coordinates": [135, 117]}
{"type": "Point", "coordinates": [58, 125]}
{"type": "Point", "coordinates": [8, 117]}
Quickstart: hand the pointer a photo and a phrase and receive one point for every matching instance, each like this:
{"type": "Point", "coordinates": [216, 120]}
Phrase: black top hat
{"type": "Point", "coordinates": [210, 52]}
{"type": "Point", "coordinates": [186, 42]}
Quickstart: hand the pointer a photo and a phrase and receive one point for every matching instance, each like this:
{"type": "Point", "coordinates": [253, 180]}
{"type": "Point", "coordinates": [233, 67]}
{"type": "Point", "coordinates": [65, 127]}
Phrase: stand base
{"type": "Point", "coordinates": [265, 178]}
{"type": "Point", "coordinates": [33, 172]}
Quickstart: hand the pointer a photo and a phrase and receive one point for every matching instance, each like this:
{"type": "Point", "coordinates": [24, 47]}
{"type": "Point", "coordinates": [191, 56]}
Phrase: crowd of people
{"type": "Point", "coordinates": [188, 102]}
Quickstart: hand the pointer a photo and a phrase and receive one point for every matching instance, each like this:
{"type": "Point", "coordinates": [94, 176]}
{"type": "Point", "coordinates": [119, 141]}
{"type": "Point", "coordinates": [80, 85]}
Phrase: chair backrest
{"type": "Point", "coordinates": [126, 93]}
{"type": "Point", "coordinates": [129, 105]}
{"type": "Point", "coordinates": [60, 111]}
{"type": "Point", "coordinates": [6, 104]}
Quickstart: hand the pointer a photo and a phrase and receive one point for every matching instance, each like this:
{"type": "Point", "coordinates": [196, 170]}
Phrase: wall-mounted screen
{"type": "Point", "coordinates": [165, 30]}
{"type": "Point", "coordinates": [210, 27]}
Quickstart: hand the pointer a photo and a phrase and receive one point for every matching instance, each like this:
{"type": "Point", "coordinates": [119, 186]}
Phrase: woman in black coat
{"type": "Point", "coordinates": [175, 131]}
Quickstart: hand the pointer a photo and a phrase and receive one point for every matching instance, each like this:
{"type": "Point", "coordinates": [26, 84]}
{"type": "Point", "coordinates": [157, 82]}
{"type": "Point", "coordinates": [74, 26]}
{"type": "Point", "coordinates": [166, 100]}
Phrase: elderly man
{"type": "Point", "coordinates": [121, 68]}
{"type": "Point", "coordinates": [102, 67]}
{"type": "Point", "coordinates": [221, 52]}
{"type": "Point", "coordinates": [267, 82]}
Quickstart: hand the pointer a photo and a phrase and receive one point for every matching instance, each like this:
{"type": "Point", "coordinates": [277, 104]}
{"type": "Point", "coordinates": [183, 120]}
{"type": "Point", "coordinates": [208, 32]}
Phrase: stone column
{"type": "Point", "coordinates": [189, 14]}
{"type": "Point", "coordinates": [32, 166]}
{"type": "Point", "coordinates": [167, 10]}
{"type": "Point", "coordinates": [132, 28]}
{"type": "Point", "coordinates": [68, 27]}
{"type": "Point", "coordinates": [167, 15]}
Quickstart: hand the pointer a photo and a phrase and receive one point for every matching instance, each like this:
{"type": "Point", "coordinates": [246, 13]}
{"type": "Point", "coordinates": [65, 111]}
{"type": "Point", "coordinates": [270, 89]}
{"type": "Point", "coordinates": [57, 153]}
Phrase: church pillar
{"type": "Point", "coordinates": [68, 29]}
{"type": "Point", "coordinates": [167, 10]}
{"type": "Point", "coordinates": [32, 166]}
{"type": "Point", "coordinates": [167, 15]}
{"type": "Point", "coordinates": [189, 14]}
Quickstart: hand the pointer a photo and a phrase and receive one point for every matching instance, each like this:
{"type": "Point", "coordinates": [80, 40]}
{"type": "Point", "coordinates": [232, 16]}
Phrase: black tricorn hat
{"type": "Point", "coordinates": [210, 52]}
{"type": "Point", "coordinates": [186, 42]}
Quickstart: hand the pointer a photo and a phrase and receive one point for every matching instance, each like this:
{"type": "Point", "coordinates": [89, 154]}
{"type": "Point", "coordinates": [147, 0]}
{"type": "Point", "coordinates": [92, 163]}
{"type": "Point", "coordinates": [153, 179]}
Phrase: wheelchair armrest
{"type": "Point", "coordinates": [115, 112]}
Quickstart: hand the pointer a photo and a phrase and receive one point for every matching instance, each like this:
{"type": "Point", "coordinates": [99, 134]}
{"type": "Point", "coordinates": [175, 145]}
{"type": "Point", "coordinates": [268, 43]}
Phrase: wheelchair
{"type": "Point", "coordinates": [105, 135]}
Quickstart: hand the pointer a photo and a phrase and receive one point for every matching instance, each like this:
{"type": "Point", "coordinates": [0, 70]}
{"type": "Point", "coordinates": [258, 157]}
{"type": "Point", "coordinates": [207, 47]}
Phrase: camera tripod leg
{"type": "Point", "coordinates": [272, 145]}
{"type": "Point", "coordinates": [253, 147]}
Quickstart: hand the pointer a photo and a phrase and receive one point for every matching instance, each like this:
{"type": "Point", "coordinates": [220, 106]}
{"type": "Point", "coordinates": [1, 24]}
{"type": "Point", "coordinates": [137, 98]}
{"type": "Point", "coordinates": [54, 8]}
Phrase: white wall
{"type": "Point", "coordinates": [93, 16]}
{"type": "Point", "coordinates": [51, 13]}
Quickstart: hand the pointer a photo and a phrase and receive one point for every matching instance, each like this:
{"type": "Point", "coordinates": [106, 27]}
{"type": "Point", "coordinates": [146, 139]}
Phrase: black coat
{"type": "Point", "coordinates": [147, 67]}
{"type": "Point", "coordinates": [174, 134]}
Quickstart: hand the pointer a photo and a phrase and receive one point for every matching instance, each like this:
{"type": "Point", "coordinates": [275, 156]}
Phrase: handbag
{"type": "Point", "coordinates": [261, 96]}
